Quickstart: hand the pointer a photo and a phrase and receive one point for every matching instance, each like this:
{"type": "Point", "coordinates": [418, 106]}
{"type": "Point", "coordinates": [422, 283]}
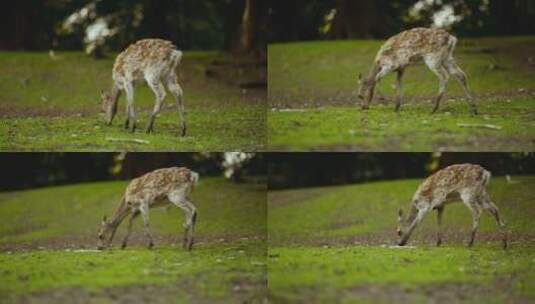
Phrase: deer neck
{"type": "Point", "coordinates": [115, 94]}
{"type": "Point", "coordinates": [119, 215]}
{"type": "Point", "coordinates": [413, 212]}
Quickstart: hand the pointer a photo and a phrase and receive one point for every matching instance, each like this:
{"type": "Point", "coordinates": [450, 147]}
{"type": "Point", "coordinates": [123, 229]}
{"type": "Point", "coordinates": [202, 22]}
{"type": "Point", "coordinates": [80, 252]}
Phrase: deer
{"type": "Point", "coordinates": [434, 46]}
{"type": "Point", "coordinates": [462, 182]}
{"type": "Point", "coordinates": [155, 61]}
{"type": "Point", "coordinates": [159, 188]}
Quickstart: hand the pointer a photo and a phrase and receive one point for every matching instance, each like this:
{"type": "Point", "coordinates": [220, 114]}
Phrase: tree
{"type": "Point", "coordinates": [356, 19]}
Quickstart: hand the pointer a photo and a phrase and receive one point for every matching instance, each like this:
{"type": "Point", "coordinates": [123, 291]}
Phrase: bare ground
{"type": "Point", "coordinates": [347, 99]}
{"type": "Point", "coordinates": [136, 240]}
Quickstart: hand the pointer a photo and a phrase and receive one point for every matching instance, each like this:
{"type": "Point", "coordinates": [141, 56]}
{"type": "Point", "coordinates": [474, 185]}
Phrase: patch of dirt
{"type": "Point", "coordinates": [319, 99]}
{"type": "Point", "coordinates": [136, 240]}
{"type": "Point", "coordinates": [16, 111]}
{"type": "Point", "coordinates": [419, 238]}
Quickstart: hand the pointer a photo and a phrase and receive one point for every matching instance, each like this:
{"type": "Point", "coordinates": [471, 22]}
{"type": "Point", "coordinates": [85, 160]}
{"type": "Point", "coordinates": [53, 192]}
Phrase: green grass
{"type": "Point", "coordinates": [350, 274]}
{"type": "Point", "coordinates": [209, 273]}
{"type": "Point", "coordinates": [226, 264]}
{"type": "Point", "coordinates": [54, 105]}
{"type": "Point", "coordinates": [336, 242]}
{"type": "Point", "coordinates": [230, 129]}
{"type": "Point", "coordinates": [321, 79]}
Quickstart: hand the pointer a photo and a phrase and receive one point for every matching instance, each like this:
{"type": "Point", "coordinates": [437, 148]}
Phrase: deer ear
{"type": "Point", "coordinates": [400, 213]}
{"type": "Point", "coordinates": [359, 76]}
{"type": "Point", "coordinates": [104, 219]}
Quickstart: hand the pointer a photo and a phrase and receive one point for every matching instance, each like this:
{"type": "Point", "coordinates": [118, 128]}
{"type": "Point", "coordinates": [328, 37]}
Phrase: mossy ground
{"type": "Point", "coordinates": [312, 96]}
{"type": "Point", "coordinates": [54, 105]}
{"type": "Point", "coordinates": [48, 237]}
{"type": "Point", "coordinates": [335, 244]}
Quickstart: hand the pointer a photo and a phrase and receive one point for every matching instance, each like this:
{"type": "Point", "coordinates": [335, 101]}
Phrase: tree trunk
{"type": "Point", "coordinates": [253, 33]}
{"type": "Point", "coordinates": [356, 19]}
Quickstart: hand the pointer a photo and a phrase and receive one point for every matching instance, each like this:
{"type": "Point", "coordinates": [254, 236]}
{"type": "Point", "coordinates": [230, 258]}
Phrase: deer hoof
{"type": "Point", "coordinates": [123, 246]}
{"type": "Point", "coordinates": [151, 245]}
{"type": "Point", "coordinates": [439, 242]}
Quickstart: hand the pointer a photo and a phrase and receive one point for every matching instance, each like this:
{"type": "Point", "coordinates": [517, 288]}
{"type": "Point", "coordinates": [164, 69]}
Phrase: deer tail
{"type": "Point", "coordinates": [194, 177]}
{"type": "Point", "coordinates": [452, 43]}
{"type": "Point", "coordinates": [177, 57]}
{"type": "Point", "coordinates": [486, 177]}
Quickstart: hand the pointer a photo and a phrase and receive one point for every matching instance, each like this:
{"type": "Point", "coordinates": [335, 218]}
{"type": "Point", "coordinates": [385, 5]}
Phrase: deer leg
{"type": "Point", "coordinates": [440, 213]}
{"type": "Point", "coordinates": [415, 222]}
{"type": "Point", "coordinates": [159, 91]}
{"type": "Point", "coordinates": [190, 223]}
{"type": "Point", "coordinates": [433, 62]}
{"type": "Point", "coordinates": [178, 93]}
{"type": "Point", "coordinates": [129, 231]}
{"type": "Point", "coordinates": [127, 119]}
{"type": "Point", "coordinates": [144, 209]}
{"type": "Point", "coordinates": [129, 89]}
{"type": "Point", "coordinates": [178, 198]}
{"type": "Point", "coordinates": [476, 214]}
{"type": "Point", "coordinates": [399, 96]}
{"type": "Point", "coordinates": [456, 71]}
{"type": "Point", "coordinates": [493, 209]}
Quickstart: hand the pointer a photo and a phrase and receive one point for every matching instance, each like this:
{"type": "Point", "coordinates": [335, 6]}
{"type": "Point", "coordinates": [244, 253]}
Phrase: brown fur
{"type": "Point", "coordinates": [465, 182]}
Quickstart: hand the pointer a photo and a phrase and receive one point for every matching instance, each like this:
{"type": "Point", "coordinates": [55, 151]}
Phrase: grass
{"type": "Point", "coordinates": [43, 230]}
{"type": "Point", "coordinates": [318, 80]}
{"type": "Point", "coordinates": [54, 105]}
{"type": "Point", "coordinates": [230, 129]}
{"type": "Point", "coordinates": [210, 273]}
{"type": "Point", "coordinates": [333, 244]}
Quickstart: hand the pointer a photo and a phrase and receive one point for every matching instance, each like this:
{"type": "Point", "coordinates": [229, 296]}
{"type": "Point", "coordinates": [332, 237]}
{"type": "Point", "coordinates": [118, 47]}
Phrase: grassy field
{"type": "Point", "coordinates": [313, 103]}
{"type": "Point", "coordinates": [54, 105]}
{"type": "Point", "coordinates": [47, 237]}
{"type": "Point", "coordinates": [335, 245]}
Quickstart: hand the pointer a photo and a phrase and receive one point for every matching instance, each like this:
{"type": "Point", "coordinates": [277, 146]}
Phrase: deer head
{"type": "Point", "coordinates": [105, 234]}
{"type": "Point", "coordinates": [365, 88]}
{"type": "Point", "coordinates": [109, 106]}
{"type": "Point", "coordinates": [400, 230]}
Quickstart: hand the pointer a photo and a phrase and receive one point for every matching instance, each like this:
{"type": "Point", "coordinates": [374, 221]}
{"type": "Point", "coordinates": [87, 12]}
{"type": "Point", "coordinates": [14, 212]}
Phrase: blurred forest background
{"type": "Point", "coordinates": [30, 170]}
{"type": "Point", "coordinates": [101, 25]}
{"type": "Point", "coordinates": [245, 26]}
{"type": "Point", "coordinates": [357, 19]}
{"type": "Point", "coordinates": [294, 170]}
